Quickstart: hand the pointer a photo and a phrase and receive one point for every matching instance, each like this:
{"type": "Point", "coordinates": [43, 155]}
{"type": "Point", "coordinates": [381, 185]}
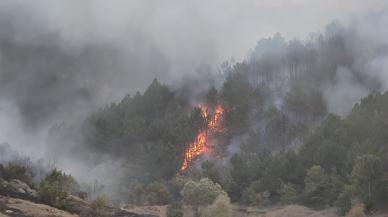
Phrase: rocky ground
{"type": "Point", "coordinates": [17, 199]}
{"type": "Point", "coordinates": [20, 201]}
{"type": "Point", "coordinates": [12, 207]}
{"type": "Point", "coordinates": [239, 211]}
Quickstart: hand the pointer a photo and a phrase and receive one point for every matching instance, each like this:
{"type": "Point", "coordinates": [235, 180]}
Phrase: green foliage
{"type": "Point", "coordinates": [179, 181]}
{"type": "Point", "coordinates": [15, 171]}
{"type": "Point", "coordinates": [157, 194]}
{"type": "Point", "coordinates": [175, 210]}
{"type": "Point", "coordinates": [99, 206]}
{"type": "Point", "coordinates": [317, 187]}
{"type": "Point", "coordinates": [241, 97]}
{"type": "Point", "coordinates": [343, 160]}
{"type": "Point", "coordinates": [305, 102]}
{"type": "Point", "coordinates": [150, 130]}
{"type": "Point", "coordinates": [210, 171]}
{"type": "Point", "coordinates": [154, 193]}
{"type": "Point", "coordinates": [56, 187]}
{"type": "Point", "coordinates": [289, 193]}
{"type": "Point", "coordinates": [354, 146]}
{"type": "Point", "coordinates": [221, 207]}
{"type": "Point", "coordinates": [201, 193]}
{"type": "Point", "coordinates": [344, 200]}
{"type": "Point", "coordinates": [3, 185]}
{"type": "Point", "coordinates": [368, 180]}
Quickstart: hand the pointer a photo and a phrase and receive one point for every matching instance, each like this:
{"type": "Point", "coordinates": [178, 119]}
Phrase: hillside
{"type": "Point", "coordinates": [105, 125]}
{"type": "Point", "coordinates": [13, 207]}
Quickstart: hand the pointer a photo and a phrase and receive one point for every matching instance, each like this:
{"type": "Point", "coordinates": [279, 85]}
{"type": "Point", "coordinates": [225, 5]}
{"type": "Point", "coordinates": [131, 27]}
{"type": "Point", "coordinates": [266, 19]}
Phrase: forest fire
{"type": "Point", "coordinates": [200, 146]}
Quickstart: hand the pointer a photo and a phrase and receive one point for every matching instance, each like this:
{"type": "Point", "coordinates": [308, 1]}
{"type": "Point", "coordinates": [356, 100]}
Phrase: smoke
{"type": "Point", "coordinates": [58, 57]}
{"type": "Point", "coordinates": [61, 60]}
{"type": "Point", "coordinates": [344, 93]}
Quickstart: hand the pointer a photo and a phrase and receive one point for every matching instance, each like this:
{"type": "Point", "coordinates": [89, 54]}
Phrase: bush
{"type": "Point", "coordinates": [368, 181]}
{"type": "Point", "coordinates": [344, 201]}
{"type": "Point", "coordinates": [100, 205]}
{"type": "Point", "coordinates": [98, 208]}
{"type": "Point", "coordinates": [289, 193]}
{"type": "Point", "coordinates": [55, 188]}
{"type": "Point", "coordinates": [250, 197]}
{"type": "Point", "coordinates": [3, 185]}
{"type": "Point", "coordinates": [155, 193]}
{"type": "Point", "coordinates": [202, 193]}
{"type": "Point", "coordinates": [175, 210]}
{"type": "Point", "coordinates": [220, 208]}
{"type": "Point", "coordinates": [14, 171]}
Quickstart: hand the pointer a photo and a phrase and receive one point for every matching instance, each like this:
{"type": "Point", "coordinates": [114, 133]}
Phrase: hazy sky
{"type": "Point", "coordinates": [196, 32]}
{"type": "Point", "coordinates": [202, 31]}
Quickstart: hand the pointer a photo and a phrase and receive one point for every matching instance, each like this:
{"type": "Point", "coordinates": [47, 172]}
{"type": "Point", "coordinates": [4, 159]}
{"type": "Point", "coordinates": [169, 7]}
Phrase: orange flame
{"type": "Point", "coordinates": [214, 124]}
{"type": "Point", "coordinates": [199, 146]}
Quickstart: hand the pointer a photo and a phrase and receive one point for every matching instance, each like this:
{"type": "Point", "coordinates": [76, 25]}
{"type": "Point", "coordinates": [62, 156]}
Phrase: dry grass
{"type": "Point", "coordinates": [356, 211]}
{"type": "Point", "coordinates": [159, 211]}
{"type": "Point", "coordinates": [27, 208]}
{"type": "Point", "coordinates": [283, 211]}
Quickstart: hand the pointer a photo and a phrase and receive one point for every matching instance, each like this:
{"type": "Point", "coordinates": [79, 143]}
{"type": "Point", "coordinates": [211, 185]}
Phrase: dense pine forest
{"type": "Point", "coordinates": [294, 122]}
{"type": "Point", "coordinates": [280, 143]}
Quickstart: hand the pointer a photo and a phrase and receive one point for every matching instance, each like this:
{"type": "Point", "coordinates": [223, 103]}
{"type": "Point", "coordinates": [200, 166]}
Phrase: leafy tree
{"type": "Point", "coordinates": [344, 200]}
{"type": "Point", "coordinates": [321, 188]}
{"type": "Point", "coordinates": [239, 96]}
{"type": "Point", "coordinates": [368, 181]}
{"type": "Point", "coordinates": [212, 97]}
{"type": "Point", "coordinates": [316, 186]}
{"type": "Point", "coordinates": [241, 176]}
{"type": "Point", "coordinates": [209, 170]}
{"type": "Point", "coordinates": [221, 207]}
{"type": "Point", "coordinates": [303, 102]}
{"type": "Point", "coordinates": [200, 194]}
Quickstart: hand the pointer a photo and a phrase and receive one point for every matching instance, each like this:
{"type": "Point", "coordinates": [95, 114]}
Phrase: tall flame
{"type": "Point", "coordinates": [199, 146]}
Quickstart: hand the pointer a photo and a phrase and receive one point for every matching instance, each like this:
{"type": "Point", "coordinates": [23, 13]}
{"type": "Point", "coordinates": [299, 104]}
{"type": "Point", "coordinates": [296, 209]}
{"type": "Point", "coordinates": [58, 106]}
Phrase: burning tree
{"type": "Point", "coordinates": [200, 144]}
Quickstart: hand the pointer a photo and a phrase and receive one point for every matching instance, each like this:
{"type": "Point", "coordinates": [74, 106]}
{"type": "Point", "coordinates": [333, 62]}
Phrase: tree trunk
{"type": "Point", "coordinates": [196, 211]}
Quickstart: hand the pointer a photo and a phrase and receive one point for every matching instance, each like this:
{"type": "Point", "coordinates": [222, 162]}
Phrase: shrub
{"type": "Point", "coordinates": [221, 207]}
{"type": "Point", "coordinates": [175, 210]}
{"type": "Point", "coordinates": [55, 188]}
{"type": "Point", "coordinates": [250, 197]}
{"type": "Point", "coordinates": [98, 208]}
{"type": "Point", "coordinates": [157, 194]}
{"type": "Point", "coordinates": [14, 171]}
{"type": "Point", "coordinates": [100, 205]}
{"type": "Point", "coordinates": [3, 185]}
{"type": "Point", "coordinates": [368, 180]}
{"type": "Point", "coordinates": [202, 193]}
{"type": "Point", "coordinates": [344, 201]}
{"type": "Point", "coordinates": [288, 193]}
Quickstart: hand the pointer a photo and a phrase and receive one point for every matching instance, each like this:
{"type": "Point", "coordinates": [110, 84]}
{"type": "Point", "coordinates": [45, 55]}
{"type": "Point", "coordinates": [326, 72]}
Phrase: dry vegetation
{"type": "Point", "coordinates": [11, 207]}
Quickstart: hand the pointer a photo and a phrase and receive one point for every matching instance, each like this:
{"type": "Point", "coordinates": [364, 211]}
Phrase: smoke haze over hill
{"type": "Point", "coordinates": [60, 61]}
